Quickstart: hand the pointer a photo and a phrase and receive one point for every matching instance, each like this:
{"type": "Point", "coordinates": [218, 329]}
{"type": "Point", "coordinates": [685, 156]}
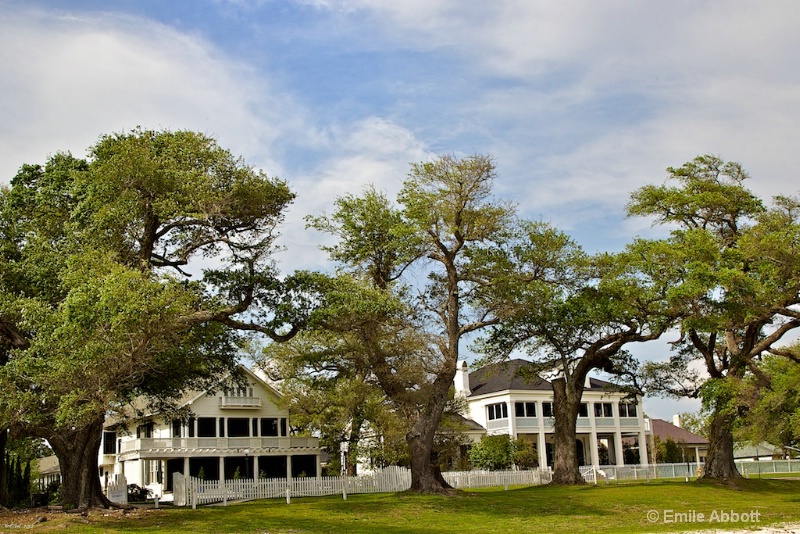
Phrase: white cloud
{"type": "Point", "coordinates": [372, 151]}
{"type": "Point", "coordinates": [68, 79]}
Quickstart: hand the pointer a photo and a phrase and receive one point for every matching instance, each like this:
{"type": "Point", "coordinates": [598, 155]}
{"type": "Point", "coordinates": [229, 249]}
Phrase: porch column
{"type": "Point", "coordinates": [512, 420]}
{"type": "Point", "coordinates": [542, 448]}
{"type": "Point", "coordinates": [643, 449]}
{"type": "Point", "coordinates": [288, 467]}
{"type": "Point", "coordinates": [618, 456]}
{"type": "Point", "coordinates": [697, 454]}
{"type": "Point", "coordinates": [186, 466]}
{"type": "Point", "coordinates": [222, 468]}
{"type": "Point", "coordinates": [594, 451]}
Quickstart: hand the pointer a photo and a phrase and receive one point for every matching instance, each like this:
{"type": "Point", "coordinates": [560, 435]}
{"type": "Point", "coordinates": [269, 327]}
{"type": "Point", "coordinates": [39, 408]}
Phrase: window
{"type": "Point", "coordinates": [206, 427]}
{"type": "Point", "coordinates": [602, 409]}
{"type": "Point", "coordinates": [547, 409]}
{"type": "Point", "coordinates": [525, 409]}
{"type": "Point", "coordinates": [498, 411]}
{"type": "Point", "coordinates": [583, 410]}
{"type": "Point", "coordinates": [109, 443]}
{"type": "Point", "coordinates": [283, 427]}
{"type": "Point", "coordinates": [145, 430]}
{"type": "Point", "coordinates": [238, 427]}
{"type": "Point", "coordinates": [269, 427]}
{"type": "Point", "coordinates": [627, 409]}
{"type": "Point", "coordinates": [177, 428]}
{"type": "Point", "coordinates": [190, 426]}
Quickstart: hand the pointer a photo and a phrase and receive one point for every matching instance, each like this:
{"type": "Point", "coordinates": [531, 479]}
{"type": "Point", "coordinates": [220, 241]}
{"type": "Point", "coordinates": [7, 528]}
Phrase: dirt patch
{"type": "Point", "coordinates": [48, 519]}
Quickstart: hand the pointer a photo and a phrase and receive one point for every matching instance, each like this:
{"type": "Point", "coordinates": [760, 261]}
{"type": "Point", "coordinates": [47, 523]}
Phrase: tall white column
{"type": "Point", "coordinates": [221, 468]}
{"type": "Point", "coordinates": [618, 456]}
{"type": "Point", "coordinates": [288, 466]}
{"type": "Point", "coordinates": [643, 449]}
{"type": "Point", "coordinates": [512, 420]}
{"type": "Point", "coordinates": [542, 448]}
{"type": "Point", "coordinates": [595, 452]}
{"type": "Point", "coordinates": [186, 466]}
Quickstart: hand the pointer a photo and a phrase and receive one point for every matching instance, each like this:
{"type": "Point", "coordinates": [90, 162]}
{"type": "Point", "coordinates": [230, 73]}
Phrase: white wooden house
{"type": "Point", "coordinates": [504, 403]}
{"type": "Point", "coordinates": [236, 431]}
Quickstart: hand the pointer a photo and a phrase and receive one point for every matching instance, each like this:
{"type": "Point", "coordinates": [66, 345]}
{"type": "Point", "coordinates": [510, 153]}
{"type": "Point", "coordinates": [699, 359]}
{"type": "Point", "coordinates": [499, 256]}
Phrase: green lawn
{"type": "Point", "coordinates": [612, 508]}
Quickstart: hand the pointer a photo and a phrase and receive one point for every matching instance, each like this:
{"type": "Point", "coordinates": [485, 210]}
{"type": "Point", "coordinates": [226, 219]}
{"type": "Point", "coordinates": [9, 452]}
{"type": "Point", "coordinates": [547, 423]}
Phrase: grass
{"type": "Point", "coordinates": [596, 509]}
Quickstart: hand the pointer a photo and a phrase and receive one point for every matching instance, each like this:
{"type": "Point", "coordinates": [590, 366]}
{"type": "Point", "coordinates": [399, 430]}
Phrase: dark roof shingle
{"type": "Point", "coordinates": [504, 376]}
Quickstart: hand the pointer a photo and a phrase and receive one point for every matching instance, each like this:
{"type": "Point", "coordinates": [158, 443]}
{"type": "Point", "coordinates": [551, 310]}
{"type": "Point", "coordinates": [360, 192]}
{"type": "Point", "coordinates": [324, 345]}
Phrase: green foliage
{"type": "Point", "coordinates": [773, 400]}
{"type": "Point", "coordinates": [498, 452]}
{"type": "Point", "coordinates": [92, 258]}
{"type": "Point", "coordinates": [669, 452]}
{"type": "Point", "coordinates": [137, 493]}
{"type": "Point", "coordinates": [733, 270]}
{"type": "Point", "coordinates": [696, 423]}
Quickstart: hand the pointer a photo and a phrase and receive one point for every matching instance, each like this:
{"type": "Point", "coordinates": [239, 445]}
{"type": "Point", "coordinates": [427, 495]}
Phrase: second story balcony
{"type": "Point", "coordinates": [239, 402]}
{"type": "Point", "coordinates": [178, 447]}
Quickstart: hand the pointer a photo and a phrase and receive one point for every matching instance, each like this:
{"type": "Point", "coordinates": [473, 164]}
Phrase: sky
{"type": "Point", "coordinates": [580, 102]}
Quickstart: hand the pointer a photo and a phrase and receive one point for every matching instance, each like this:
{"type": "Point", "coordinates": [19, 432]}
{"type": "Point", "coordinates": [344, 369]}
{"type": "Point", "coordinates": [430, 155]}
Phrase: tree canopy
{"type": "Point", "coordinates": [734, 272]}
{"type": "Point", "coordinates": [95, 282]}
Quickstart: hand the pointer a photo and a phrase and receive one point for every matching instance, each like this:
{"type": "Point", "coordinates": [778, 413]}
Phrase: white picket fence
{"type": "Point", "coordinates": [194, 491]}
{"type": "Point", "coordinates": [611, 473]}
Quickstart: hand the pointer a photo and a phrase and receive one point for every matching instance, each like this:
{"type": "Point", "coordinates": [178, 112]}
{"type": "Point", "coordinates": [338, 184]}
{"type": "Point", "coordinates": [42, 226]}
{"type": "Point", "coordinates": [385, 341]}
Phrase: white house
{"type": "Point", "coordinates": [238, 430]}
{"type": "Point", "coordinates": [504, 403]}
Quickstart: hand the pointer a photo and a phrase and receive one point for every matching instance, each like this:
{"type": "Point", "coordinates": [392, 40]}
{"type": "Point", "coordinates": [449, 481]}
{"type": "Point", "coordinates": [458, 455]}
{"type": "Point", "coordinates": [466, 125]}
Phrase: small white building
{"type": "Point", "coordinates": [503, 402]}
{"type": "Point", "coordinates": [236, 431]}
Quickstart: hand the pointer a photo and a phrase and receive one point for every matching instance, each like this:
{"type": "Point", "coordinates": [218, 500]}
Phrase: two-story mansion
{"type": "Point", "coordinates": [505, 403]}
{"type": "Point", "coordinates": [236, 431]}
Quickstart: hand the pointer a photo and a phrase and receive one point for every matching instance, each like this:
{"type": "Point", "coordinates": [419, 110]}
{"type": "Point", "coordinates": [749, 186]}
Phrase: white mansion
{"type": "Point", "coordinates": [504, 403]}
{"type": "Point", "coordinates": [237, 431]}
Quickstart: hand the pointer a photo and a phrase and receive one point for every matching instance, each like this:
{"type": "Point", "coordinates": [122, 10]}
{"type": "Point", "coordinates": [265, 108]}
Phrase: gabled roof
{"type": "Point", "coordinates": [505, 376]}
{"type": "Point", "coordinates": [139, 409]}
{"type": "Point", "coordinates": [665, 430]}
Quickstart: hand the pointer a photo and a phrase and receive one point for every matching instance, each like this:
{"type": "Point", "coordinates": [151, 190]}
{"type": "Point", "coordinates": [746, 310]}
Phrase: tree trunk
{"type": "Point", "coordinates": [77, 453]}
{"type": "Point", "coordinates": [426, 477]}
{"type": "Point", "coordinates": [566, 403]}
{"type": "Point", "coordinates": [719, 460]}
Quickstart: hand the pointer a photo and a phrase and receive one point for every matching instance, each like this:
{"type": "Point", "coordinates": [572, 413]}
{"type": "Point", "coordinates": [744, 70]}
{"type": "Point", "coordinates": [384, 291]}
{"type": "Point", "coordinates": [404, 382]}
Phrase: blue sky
{"type": "Point", "coordinates": [579, 101]}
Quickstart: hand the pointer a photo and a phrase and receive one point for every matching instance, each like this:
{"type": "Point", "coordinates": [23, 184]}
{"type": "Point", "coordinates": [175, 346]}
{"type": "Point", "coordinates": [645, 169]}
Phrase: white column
{"type": "Point", "coordinates": [618, 448]}
{"type": "Point", "coordinates": [643, 448]}
{"type": "Point", "coordinates": [594, 451]}
{"type": "Point", "coordinates": [186, 466]}
{"type": "Point", "coordinates": [542, 448]}
{"type": "Point", "coordinates": [288, 466]}
{"type": "Point", "coordinates": [221, 468]}
{"type": "Point", "coordinates": [512, 420]}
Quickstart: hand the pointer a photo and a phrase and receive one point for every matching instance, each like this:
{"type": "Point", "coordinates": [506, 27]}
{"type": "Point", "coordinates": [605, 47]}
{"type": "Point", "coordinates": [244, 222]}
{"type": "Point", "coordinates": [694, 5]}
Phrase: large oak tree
{"type": "Point", "coordinates": [94, 274]}
{"type": "Point", "coordinates": [734, 267]}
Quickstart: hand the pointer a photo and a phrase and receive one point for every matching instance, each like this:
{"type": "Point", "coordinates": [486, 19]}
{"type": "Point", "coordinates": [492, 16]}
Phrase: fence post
{"type": "Point", "coordinates": [193, 493]}
{"type": "Point", "coordinates": [344, 488]}
{"type": "Point", "coordinates": [224, 492]}
{"type": "Point", "coordinates": [288, 495]}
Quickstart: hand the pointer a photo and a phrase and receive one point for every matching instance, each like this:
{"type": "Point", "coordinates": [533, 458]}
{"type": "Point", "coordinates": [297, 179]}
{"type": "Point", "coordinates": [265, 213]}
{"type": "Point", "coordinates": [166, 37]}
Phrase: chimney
{"type": "Point", "coordinates": [461, 380]}
{"type": "Point", "coordinates": [676, 420]}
